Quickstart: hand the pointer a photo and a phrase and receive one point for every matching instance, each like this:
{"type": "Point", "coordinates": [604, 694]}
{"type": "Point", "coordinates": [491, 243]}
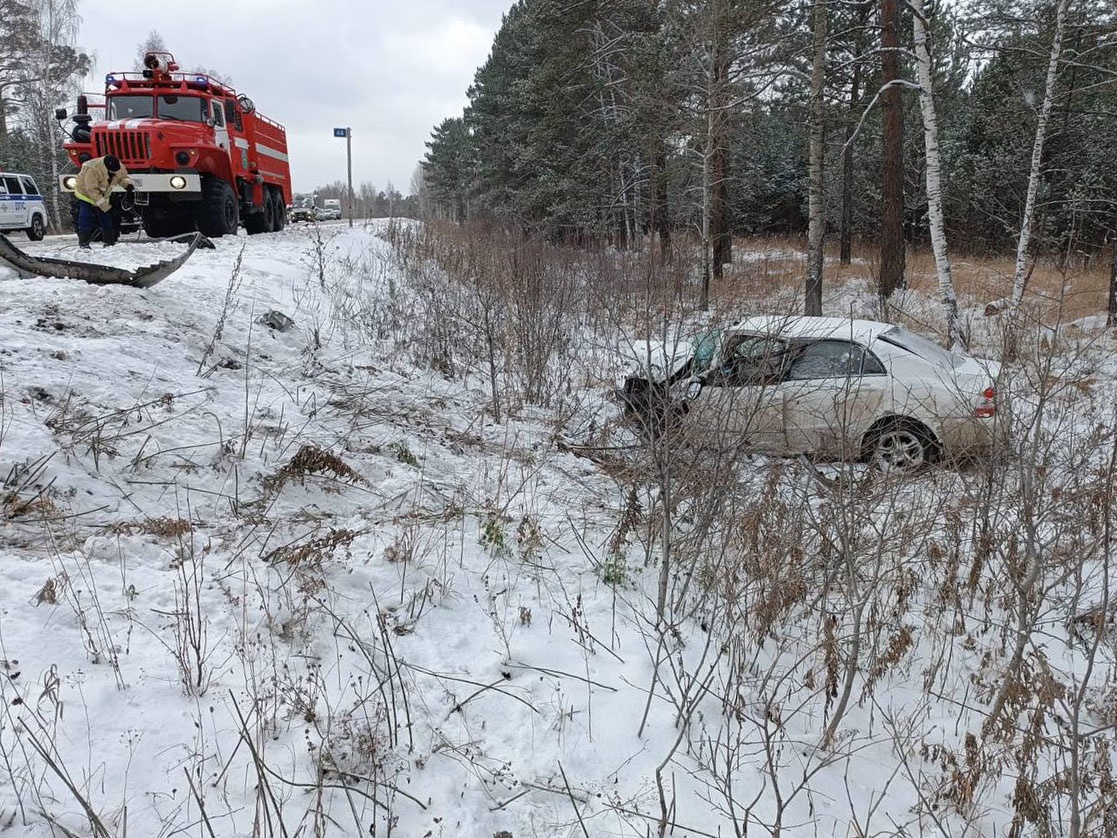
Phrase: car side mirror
{"type": "Point", "coordinates": [694, 388]}
{"type": "Point", "coordinates": [60, 114]}
{"type": "Point", "coordinates": [211, 121]}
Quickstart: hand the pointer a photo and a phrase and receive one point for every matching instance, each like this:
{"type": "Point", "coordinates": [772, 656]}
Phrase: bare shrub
{"type": "Point", "coordinates": [25, 490]}
{"type": "Point", "coordinates": [192, 647]}
{"type": "Point", "coordinates": [311, 552]}
{"type": "Point", "coordinates": [163, 527]}
{"type": "Point", "coordinates": [310, 459]}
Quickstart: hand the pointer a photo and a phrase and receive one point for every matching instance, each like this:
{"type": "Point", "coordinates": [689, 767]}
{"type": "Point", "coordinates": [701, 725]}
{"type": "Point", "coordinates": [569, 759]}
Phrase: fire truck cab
{"type": "Point", "coordinates": [199, 154]}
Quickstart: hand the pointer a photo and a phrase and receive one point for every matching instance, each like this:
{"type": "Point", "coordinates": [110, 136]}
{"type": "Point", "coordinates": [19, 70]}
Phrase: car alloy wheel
{"type": "Point", "coordinates": [900, 449]}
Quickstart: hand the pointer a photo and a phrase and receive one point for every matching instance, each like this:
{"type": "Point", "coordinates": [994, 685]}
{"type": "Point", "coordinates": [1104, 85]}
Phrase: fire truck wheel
{"type": "Point", "coordinates": [259, 220]}
{"type": "Point", "coordinates": [280, 215]}
{"type": "Point", "coordinates": [218, 215]}
{"type": "Point", "coordinates": [269, 210]}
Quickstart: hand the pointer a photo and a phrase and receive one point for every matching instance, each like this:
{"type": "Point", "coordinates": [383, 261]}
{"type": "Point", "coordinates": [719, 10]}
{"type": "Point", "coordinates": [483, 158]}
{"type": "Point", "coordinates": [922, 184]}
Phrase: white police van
{"type": "Point", "coordinates": [21, 206]}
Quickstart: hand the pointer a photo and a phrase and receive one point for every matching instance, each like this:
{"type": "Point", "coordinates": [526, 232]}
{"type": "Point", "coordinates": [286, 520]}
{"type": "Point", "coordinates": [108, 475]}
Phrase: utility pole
{"type": "Point", "coordinates": [348, 134]}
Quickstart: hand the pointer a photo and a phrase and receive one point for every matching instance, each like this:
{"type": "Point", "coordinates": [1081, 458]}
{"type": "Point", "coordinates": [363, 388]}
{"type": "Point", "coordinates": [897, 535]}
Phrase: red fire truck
{"type": "Point", "coordinates": [200, 155]}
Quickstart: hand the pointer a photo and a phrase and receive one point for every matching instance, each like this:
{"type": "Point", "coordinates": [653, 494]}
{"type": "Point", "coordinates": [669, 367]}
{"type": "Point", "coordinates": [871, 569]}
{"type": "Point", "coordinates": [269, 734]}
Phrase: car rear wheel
{"type": "Point", "coordinates": [902, 446]}
{"type": "Point", "coordinates": [38, 228]}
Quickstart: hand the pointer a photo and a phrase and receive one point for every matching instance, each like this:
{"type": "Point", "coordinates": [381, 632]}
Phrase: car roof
{"type": "Point", "coordinates": [864, 331]}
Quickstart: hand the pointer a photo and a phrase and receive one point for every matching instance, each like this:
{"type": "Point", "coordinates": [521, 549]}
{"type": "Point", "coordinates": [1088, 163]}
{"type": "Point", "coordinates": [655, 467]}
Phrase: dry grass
{"type": "Point", "coordinates": [163, 527]}
{"type": "Point", "coordinates": [313, 551]}
{"type": "Point", "coordinates": [1081, 289]}
{"type": "Point", "coordinates": [311, 460]}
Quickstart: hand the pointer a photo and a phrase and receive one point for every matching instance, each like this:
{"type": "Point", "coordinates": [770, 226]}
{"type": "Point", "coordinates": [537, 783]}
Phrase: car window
{"type": "Point", "coordinates": [750, 360]}
{"type": "Point", "coordinates": [918, 345]}
{"type": "Point", "coordinates": [29, 186]}
{"type": "Point", "coordinates": [12, 184]}
{"type": "Point", "coordinates": [833, 359]}
{"type": "Point", "coordinates": [704, 348]}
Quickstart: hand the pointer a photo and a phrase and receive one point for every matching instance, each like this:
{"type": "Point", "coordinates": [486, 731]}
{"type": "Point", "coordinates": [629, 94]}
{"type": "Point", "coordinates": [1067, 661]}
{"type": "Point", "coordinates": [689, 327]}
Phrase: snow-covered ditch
{"type": "Point", "coordinates": [260, 578]}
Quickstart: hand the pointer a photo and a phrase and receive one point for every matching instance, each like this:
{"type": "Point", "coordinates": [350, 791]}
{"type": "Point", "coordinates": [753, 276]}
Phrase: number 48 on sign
{"type": "Point", "coordinates": [346, 135]}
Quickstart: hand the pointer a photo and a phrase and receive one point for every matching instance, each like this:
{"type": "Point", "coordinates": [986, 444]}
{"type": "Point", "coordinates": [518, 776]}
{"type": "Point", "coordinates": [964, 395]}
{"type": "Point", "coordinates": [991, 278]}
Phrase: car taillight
{"type": "Point", "coordinates": [986, 410]}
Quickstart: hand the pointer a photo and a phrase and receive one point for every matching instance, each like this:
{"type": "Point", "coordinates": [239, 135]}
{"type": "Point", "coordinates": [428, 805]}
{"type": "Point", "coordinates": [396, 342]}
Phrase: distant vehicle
{"type": "Point", "coordinates": [199, 154]}
{"type": "Point", "coordinates": [301, 212]}
{"type": "Point", "coordinates": [845, 389]}
{"type": "Point", "coordinates": [327, 213]}
{"type": "Point", "coordinates": [21, 206]}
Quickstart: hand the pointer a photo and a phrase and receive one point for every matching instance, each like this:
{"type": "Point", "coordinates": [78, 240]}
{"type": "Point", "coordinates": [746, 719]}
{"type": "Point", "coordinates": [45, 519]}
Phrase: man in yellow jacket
{"type": "Point", "coordinates": [93, 189]}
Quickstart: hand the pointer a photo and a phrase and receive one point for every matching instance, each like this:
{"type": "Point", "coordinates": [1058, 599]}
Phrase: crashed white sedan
{"type": "Point", "coordinates": [825, 386]}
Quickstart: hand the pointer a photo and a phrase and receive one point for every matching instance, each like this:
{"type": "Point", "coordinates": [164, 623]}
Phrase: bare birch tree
{"type": "Point", "coordinates": [1019, 278]}
{"type": "Point", "coordinates": [922, 32]}
{"type": "Point", "coordinates": [56, 66]}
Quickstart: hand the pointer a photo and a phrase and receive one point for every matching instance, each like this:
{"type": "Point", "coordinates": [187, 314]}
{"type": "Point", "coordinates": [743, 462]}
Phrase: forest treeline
{"type": "Point", "coordinates": [40, 69]}
{"type": "Point", "coordinates": [609, 120]}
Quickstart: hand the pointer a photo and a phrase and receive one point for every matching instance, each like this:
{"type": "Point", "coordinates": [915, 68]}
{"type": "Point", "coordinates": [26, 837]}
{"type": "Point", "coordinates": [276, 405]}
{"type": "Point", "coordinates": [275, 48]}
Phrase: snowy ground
{"type": "Point", "coordinates": [278, 579]}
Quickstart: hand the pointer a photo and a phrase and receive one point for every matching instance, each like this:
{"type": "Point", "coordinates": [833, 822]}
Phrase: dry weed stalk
{"type": "Point", "coordinates": [163, 526]}
{"type": "Point", "coordinates": [231, 291]}
{"type": "Point", "coordinates": [308, 460]}
{"type": "Point", "coordinates": [311, 553]}
{"type": "Point", "coordinates": [25, 490]}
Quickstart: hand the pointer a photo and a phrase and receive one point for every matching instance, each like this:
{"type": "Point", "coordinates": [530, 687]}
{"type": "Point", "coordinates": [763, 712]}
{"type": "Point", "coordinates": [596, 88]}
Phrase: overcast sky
{"type": "Point", "coordinates": [390, 69]}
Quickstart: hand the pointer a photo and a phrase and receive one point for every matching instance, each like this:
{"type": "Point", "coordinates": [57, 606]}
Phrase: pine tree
{"type": "Point", "coordinates": [448, 169]}
{"type": "Point", "coordinates": [19, 41]}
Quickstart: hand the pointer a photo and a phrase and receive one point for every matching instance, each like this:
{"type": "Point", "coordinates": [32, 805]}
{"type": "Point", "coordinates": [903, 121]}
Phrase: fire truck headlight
{"type": "Point", "coordinates": [178, 182]}
{"type": "Point", "coordinates": [70, 182]}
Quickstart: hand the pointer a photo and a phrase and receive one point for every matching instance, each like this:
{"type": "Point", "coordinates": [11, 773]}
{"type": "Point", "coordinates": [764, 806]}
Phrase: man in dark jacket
{"type": "Point", "coordinates": [93, 189]}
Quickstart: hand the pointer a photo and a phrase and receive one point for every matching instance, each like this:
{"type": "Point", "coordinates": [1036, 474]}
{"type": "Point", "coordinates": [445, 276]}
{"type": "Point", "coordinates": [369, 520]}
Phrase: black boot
{"type": "Point", "coordinates": [84, 238]}
{"type": "Point", "coordinates": [109, 238]}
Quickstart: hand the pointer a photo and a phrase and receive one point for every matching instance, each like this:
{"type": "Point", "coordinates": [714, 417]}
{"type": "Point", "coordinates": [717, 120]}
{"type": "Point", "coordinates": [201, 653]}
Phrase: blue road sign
{"type": "Point", "coordinates": [341, 132]}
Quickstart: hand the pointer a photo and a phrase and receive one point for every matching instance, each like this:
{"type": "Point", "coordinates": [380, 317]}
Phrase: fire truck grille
{"type": "Point", "coordinates": [129, 146]}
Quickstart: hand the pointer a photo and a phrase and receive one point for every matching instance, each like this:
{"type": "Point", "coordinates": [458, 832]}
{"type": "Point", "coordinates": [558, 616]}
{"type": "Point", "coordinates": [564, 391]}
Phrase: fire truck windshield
{"type": "Point", "coordinates": [131, 107]}
{"type": "Point", "coordinates": [184, 108]}
{"type": "Point", "coordinates": [179, 108]}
